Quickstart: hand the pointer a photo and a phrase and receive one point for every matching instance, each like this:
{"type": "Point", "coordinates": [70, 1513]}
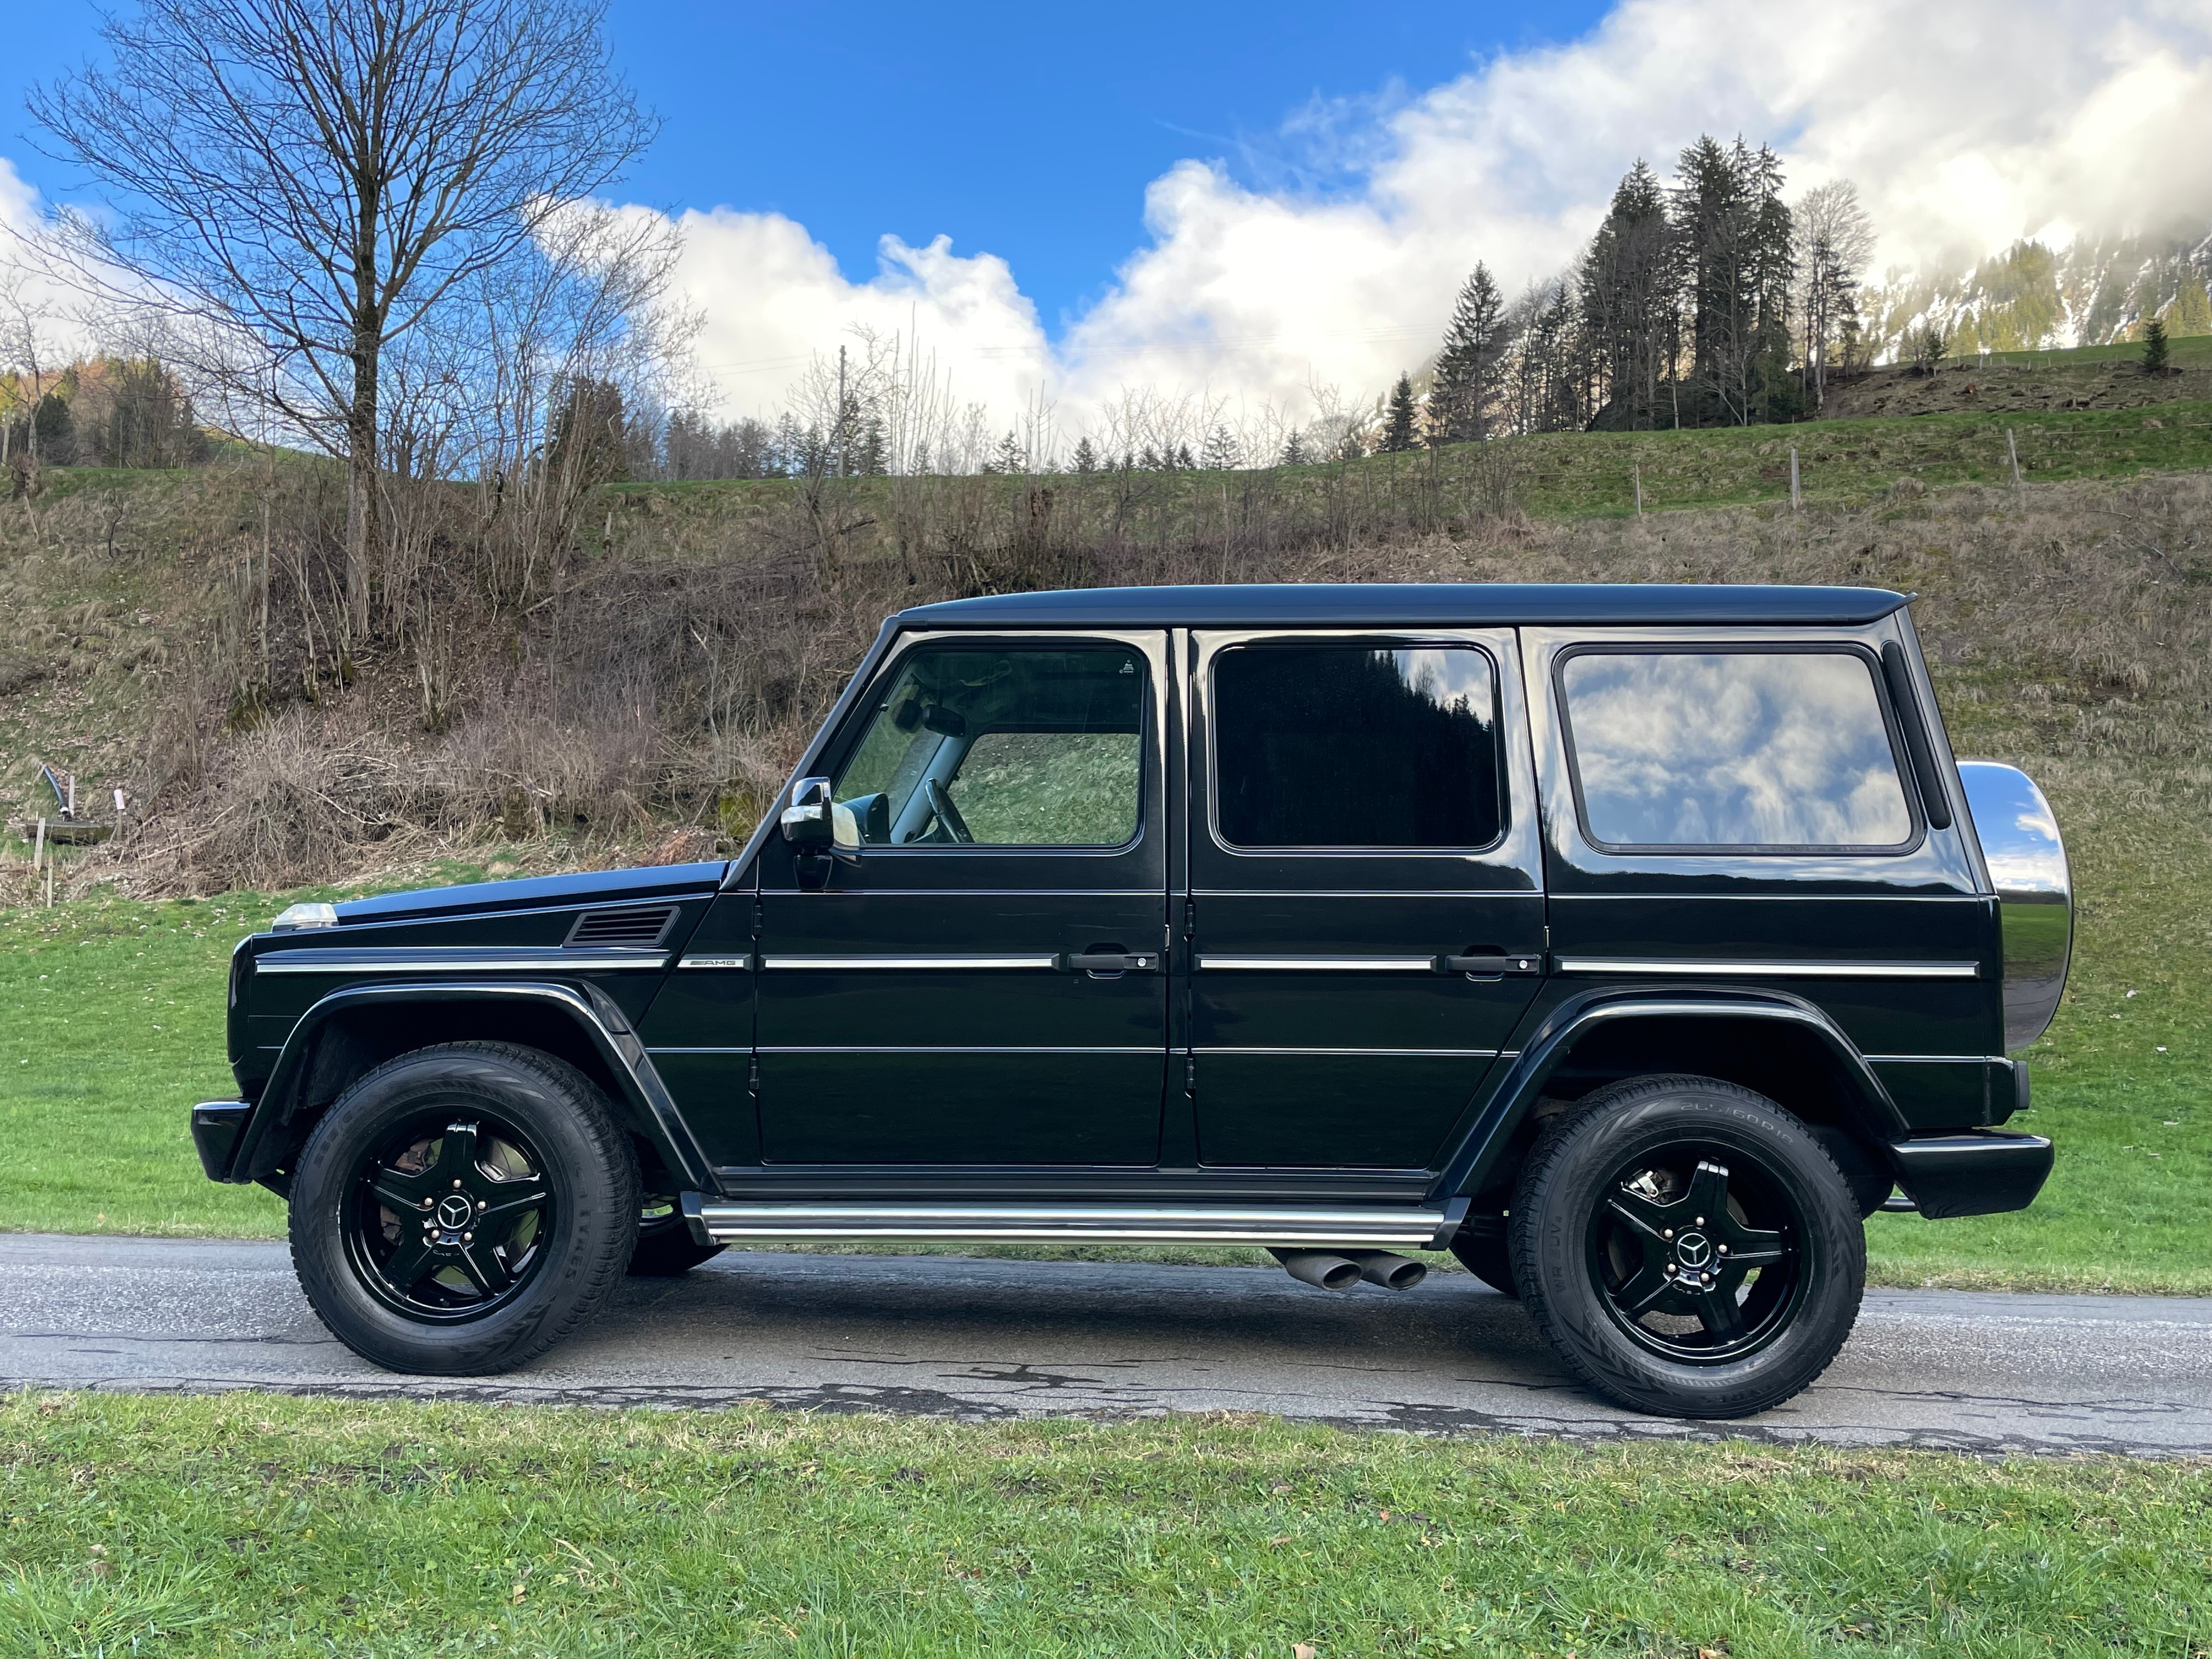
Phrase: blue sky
{"type": "Point", "coordinates": [1261, 214]}
{"type": "Point", "coordinates": [1029, 131]}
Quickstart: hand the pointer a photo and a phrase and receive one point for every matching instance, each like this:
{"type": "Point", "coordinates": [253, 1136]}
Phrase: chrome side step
{"type": "Point", "coordinates": [717, 1222]}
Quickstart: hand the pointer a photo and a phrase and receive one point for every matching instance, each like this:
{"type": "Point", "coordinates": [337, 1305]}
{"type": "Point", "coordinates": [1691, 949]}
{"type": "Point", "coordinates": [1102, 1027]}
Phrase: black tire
{"type": "Point", "coordinates": [1489, 1257]}
{"type": "Point", "coordinates": [1688, 1247]}
{"type": "Point", "coordinates": [664, 1245]}
{"type": "Point", "coordinates": [537, 1169]}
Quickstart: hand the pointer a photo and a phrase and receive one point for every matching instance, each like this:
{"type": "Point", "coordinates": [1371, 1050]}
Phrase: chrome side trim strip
{"type": "Point", "coordinates": [444, 959]}
{"type": "Point", "coordinates": [1376, 1054]}
{"type": "Point", "coordinates": [1691, 968]}
{"type": "Point", "coordinates": [1156, 1050]}
{"type": "Point", "coordinates": [1323, 964]}
{"type": "Point", "coordinates": [744, 962]}
{"type": "Point", "coordinates": [1414, 1229]}
{"type": "Point", "coordinates": [930, 963]}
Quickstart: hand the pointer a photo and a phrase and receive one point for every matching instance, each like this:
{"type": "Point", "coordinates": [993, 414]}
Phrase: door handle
{"type": "Point", "coordinates": [1111, 962]}
{"type": "Point", "coordinates": [1490, 964]}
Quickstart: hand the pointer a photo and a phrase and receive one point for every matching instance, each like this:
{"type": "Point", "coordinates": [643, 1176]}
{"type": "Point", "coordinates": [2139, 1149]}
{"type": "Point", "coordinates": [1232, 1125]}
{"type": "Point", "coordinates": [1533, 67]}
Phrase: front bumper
{"type": "Point", "coordinates": [1980, 1173]}
{"type": "Point", "coordinates": [216, 1125]}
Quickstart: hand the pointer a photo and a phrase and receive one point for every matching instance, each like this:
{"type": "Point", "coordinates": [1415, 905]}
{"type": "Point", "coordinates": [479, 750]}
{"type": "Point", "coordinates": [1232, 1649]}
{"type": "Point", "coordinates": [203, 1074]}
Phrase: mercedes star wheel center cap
{"type": "Point", "coordinates": [1692, 1251]}
{"type": "Point", "coordinates": [454, 1212]}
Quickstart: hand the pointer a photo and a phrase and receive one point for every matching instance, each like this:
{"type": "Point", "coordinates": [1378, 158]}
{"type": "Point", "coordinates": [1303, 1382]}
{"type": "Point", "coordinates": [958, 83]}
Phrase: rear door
{"type": "Point", "coordinates": [1367, 916]}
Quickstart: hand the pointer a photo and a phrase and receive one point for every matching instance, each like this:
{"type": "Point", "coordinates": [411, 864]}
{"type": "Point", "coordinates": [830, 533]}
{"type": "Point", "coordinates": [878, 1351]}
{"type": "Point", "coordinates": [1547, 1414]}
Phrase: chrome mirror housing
{"type": "Point", "coordinates": [2027, 859]}
{"type": "Point", "coordinates": [807, 823]}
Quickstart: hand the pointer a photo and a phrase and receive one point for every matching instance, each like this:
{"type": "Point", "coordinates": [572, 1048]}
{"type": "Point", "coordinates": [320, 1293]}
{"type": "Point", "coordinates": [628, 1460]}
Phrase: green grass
{"type": "Point", "coordinates": [2186, 352]}
{"type": "Point", "coordinates": [1593, 474]}
{"type": "Point", "coordinates": [254, 1525]}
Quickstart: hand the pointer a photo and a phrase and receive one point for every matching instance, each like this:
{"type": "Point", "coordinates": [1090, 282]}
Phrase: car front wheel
{"type": "Point", "coordinates": [462, 1208]}
{"type": "Point", "coordinates": [1688, 1247]}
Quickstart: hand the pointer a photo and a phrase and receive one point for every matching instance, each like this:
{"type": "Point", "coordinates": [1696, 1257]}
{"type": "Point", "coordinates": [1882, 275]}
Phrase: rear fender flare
{"type": "Point", "coordinates": [643, 1102]}
{"type": "Point", "coordinates": [1471, 1165]}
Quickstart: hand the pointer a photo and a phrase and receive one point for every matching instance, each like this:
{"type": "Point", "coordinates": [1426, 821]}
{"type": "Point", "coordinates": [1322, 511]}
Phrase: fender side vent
{"type": "Point", "coordinates": [642, 926]}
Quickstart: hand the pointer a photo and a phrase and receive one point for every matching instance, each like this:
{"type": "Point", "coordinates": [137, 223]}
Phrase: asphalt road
{"type": "Point", "coordinates": [979, 1338]}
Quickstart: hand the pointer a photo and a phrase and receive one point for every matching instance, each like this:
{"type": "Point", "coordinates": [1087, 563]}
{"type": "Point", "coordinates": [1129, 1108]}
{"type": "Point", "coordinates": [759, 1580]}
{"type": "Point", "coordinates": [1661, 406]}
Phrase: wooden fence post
{"type": "Point", "coordinates": [1796, 496]}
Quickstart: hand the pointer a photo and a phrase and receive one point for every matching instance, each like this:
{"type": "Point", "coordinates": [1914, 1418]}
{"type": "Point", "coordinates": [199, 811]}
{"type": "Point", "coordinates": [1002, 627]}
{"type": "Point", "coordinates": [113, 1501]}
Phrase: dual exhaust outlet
{"type": "Point", "coordinates": [1340, 1270]}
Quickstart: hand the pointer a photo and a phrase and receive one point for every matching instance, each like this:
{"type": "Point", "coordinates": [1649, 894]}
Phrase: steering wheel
{"type": "Point", "coordinates": [940, 803]}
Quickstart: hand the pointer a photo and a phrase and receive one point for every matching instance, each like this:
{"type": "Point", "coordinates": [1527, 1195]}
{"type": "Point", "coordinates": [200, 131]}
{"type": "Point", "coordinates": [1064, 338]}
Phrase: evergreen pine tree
{"type": "Point", "coordinates": [1467, 367]}
{"type": "Point", "coordinates": [1400, 425]}
{"type": "Point", "coordinates": [1185, 459]}
{"type": "Point", "coordinates": [2155, 352]}
{"type": "Point", "coordinates": [1630, 298]}
{"type": "Point", "coordinates": [1086, 457]}
{"type": "Point", "coordinates": [1222, 452]}
{"type": "Point", "coordinates": [1294, 448]}
{"type": "Point", "coordinates": [1149, 460]}
{"type": "Point", "coordinates": [1010, 455]}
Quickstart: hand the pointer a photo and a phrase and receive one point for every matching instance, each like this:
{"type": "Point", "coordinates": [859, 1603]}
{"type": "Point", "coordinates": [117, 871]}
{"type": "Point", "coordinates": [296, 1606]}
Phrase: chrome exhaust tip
{"type": "Point", "coordinates": [1389, 1269]}
{"type": "Point", "coordinates": [1325, 1270]}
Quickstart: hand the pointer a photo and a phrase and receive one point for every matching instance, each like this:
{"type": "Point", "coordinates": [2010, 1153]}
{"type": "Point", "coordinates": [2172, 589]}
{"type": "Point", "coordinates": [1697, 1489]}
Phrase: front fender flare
{"type": "Point", "coordinates": [645, 1099]}
{"type": "Point", "coordinates": [1471, 1164]}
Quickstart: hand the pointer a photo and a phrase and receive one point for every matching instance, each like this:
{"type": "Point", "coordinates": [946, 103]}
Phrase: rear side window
{"type": "Point", "coordinates": [1356, 746]}
{"type": "Point", "coordinates": [1746, 750]}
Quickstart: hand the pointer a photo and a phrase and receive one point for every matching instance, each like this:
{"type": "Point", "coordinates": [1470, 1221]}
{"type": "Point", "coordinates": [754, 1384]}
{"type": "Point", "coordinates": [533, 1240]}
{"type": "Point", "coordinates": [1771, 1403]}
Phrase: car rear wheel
{"type": "Point", "coordinates": [462, 1208]}
{"type": "Point", "coordinates": [1688, 1247]}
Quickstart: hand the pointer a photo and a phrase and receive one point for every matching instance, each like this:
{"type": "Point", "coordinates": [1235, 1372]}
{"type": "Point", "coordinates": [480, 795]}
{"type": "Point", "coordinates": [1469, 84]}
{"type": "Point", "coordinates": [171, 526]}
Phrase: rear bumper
{"type": "Point", "coordinates": [216, 1125]}
{"type": "Point", "coordinates": [1981, 1173]}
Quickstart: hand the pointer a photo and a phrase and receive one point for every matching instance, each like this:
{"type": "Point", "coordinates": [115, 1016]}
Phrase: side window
{"type": "Point", "coordinates": [1356, 746]}
{"type": "Point", "coordinates": [1003, 747]}
{"type": "Point", "coordinates": [1749, 750]}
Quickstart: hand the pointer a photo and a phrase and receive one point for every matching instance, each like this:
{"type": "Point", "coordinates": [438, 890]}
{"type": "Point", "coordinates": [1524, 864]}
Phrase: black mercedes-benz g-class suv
{"type": "Point", "coordinates": [1632, 943]}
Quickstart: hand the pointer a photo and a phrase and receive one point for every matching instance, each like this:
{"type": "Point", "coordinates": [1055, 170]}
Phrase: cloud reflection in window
{"type": "Point", "coordinates": [1733, 749]}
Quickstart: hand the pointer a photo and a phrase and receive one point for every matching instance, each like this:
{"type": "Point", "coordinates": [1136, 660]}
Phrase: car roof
{"type": "Point", "coordinates": [1397, 604]}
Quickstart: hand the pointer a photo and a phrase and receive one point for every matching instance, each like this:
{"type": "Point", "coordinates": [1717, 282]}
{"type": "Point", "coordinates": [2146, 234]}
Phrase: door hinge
{"type": "Point", "coordinates": [1190, 1075]}
{"type": "Point", "coordinates": [759, 916]}
{"type": "Point", "coordinates": [1189, 918]}
{"type": "Point", "coordinates": [752, 1077]}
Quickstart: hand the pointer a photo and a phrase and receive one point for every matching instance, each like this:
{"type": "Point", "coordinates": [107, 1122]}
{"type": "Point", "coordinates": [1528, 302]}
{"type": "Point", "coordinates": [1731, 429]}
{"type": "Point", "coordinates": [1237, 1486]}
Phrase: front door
{"type": "Point", "coordinates": [1368, 918]}
{"type": "Point", "coordinates": [984, 981]}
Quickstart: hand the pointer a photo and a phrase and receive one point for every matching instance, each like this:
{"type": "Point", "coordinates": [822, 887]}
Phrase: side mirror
{"type": "Point", "coordinates": [808, 824]}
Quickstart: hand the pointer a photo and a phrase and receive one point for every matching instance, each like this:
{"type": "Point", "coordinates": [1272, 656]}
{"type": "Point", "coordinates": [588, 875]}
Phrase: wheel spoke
{"type": "Point", "coordinates": [398, 1190]}
{"type": "Point", "coordinates": [485, 1270]}
{"type": "Point", "coordinates": [528, 1195]}
{"type": "Point", "coordinates": [1723, 1318]}
{"type": "Point", "coordinates": [411, 1262]}
{"type": "Point", "coordinates": [1641, 1214]}
{"type": "Point", "coordinates": [1708, 1195]}
{"type": "Point", "coordinates": [1751, 1247]}
{"type": "Point", "coordinates": [1643, 1289]}
{"type": "Point", "coordinates": [456, 1157]}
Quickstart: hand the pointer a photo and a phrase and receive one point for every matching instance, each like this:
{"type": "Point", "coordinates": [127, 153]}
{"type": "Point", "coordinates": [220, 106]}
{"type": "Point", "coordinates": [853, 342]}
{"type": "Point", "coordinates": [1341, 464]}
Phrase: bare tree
{"type": "Point", "coordinates": [23, 350]}
{"type": "Point", "coordinates": [300, 183]}
{"type": "Point", "coordinates": [1835, 241]}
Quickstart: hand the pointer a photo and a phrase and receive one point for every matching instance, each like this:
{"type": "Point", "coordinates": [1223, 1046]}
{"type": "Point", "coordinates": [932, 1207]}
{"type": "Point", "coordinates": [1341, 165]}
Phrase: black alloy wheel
{"type": "Point", "coordinates": [461, 1208]}
{"type": "Point", "coordinates": [449, 1218]}
{"type": "Point", "coordinates": [1674, 1254]}
{"type": "Point", "coordinates": [1689, 1247]}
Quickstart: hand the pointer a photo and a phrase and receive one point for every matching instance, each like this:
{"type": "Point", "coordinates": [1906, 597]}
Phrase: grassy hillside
{"type": "Point", "coordinates": [2107, 376]}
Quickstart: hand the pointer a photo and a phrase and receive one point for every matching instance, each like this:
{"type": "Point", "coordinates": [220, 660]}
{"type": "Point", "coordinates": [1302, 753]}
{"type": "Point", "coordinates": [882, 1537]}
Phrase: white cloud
{"type": "Point", "coordinates": [1965, 125]}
